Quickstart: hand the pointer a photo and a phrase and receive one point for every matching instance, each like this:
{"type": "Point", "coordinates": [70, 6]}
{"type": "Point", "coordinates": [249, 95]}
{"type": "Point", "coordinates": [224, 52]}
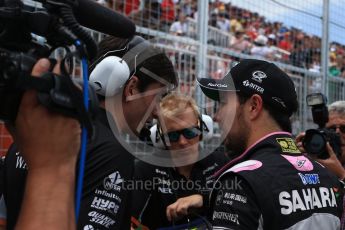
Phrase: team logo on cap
{"type": "Point", "coordinates": [246, 83]}
{"type": "Point", "coordinates": [258, 76]}
{"type": "Point", "coordinates": [217, 85]}
{"type": "Point", "coordinates": [253, 86]}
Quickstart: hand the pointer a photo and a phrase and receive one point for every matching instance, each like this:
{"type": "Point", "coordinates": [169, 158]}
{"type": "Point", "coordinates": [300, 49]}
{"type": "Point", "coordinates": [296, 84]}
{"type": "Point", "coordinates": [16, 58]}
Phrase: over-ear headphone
{"type": "Point", "coordinates": [205, 126]}
{"type": "Point", "coordinates": [113, 69]}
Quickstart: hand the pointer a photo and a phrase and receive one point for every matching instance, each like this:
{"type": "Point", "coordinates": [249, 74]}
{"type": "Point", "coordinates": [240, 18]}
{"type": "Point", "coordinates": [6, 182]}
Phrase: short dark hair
{"type": "Point", "coordinates": [281, 118]}
{"type": "Point", "coordinates": [111, 43]}
{"type": "Point", "coordinates": [158, 63]}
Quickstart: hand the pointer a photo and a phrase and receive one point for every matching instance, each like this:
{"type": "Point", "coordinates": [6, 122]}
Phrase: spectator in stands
{"type": "Point", "coordinates": [188, 7]}
{"type": "Point", "coordinates": [272, 40]}
{"type": "Point", "coordinates": [341, 64]}
{"type": "Point", "coordinates": [127, 6]}
{"type": "Point", "coordinates": [260, 48]}
{"type": "Point", "coordinates": [272, 44]}
{"type": "Point", "coordinates": [240, 42]}
{"type": "Point", "coordinates": [343, 71]}
{"type": "Point", "coordinates": [222, 22]}
{"type": "Point", "coordinates": [235, 24]}
{"type": "Point", "coordinates": [216, 67]}
{"type": "Point", "coordinates": [298, 55]}
{"type": "Point", "coordinates": [213, 20]}
{"type": "Point", "coordinates": [253, 30]}
{"type": "Point", "coordinates": [315, 65]}
{"type": "Point", "coordinates": [286, 44]}
{"type": "Point", "coordinates": [185, 65]}
{"type": "Point", "coordinates": [168, 14]}
{"type": "Point", "coordinates": [180, 27]}
{"type": "Point", "coordinates": [148, 15]}
{"type": "Point", "coordinates": [334, 70]}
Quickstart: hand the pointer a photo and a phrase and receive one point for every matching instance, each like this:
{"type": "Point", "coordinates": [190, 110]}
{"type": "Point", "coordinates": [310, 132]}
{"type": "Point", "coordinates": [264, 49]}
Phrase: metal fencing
{"type": "Point", "coordinates": [288, 33]}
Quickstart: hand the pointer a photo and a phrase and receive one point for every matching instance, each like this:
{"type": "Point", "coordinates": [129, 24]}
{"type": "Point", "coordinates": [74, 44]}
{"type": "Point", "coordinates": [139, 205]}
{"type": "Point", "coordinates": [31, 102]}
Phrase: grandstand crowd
{"type": "Point", "coordinates": [248, 32]}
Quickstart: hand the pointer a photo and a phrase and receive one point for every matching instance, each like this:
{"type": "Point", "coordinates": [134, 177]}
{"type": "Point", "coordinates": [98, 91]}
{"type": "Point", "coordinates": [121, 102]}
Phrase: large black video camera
{"type": "Point", "coordinates": [58, 22]}
{"type": "Point", "coordinates": [315, 140]}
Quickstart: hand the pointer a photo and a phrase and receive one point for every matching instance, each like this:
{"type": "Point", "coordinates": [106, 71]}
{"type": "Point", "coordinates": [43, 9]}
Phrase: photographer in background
{"type": "Point", "coordinates": [336, 123]}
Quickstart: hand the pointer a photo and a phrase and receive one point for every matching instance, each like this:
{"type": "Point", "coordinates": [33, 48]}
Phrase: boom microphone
{"type": "Point", "coordinates": [97, 17]}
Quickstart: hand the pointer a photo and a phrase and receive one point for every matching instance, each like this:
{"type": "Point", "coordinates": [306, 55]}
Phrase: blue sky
{"type": "Point", "coordinates": [281, 10]}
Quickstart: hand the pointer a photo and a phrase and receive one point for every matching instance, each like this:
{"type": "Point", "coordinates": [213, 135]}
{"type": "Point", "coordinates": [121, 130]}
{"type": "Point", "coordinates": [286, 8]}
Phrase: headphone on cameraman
{"type": "Point", "coordinates": [205, 125]}
{"type": "Point", "coordinates": [113, 69]}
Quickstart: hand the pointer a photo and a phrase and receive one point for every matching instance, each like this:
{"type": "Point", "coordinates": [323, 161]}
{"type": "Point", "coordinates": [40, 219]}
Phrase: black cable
{"type": "Point", "coordinates": [71, 23]}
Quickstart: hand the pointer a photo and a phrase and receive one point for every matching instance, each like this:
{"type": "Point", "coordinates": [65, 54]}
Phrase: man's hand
{"type": "Point", "coordinates": [45, 139]}
{"type": "Point", "coordinates": [180, 208]}
{"type": "Point", "coordinates": [299, 143]}
{"type": "Point", "coordinates": [49, 143]}
{"type": "Point", "coordinates": [332, 163]}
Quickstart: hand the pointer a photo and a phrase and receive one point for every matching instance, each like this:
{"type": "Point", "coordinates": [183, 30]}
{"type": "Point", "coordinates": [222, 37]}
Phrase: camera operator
{"type": "Point", "coordinates": [279, 187]}
{"type": "Point", "coordinates": [104, 204]}
{"type": "Point", "coordinates": [336, 123]}
{"type": "Point", "coordinates": [51, 143]}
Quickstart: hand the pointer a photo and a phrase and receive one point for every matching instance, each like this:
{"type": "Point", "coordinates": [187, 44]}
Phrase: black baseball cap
{"type": "Point", "coordinates": [252, 76]}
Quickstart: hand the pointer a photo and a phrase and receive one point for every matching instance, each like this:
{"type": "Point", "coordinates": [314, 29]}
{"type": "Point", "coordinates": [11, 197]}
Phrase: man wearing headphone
{"type": "Point", "coordinates": [134, 78]}
{"type": "Point", "coordinates": [180, 129]}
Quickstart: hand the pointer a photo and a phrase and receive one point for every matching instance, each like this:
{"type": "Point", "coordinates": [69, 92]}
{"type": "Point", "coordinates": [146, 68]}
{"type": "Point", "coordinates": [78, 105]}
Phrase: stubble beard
{"type": "Point", "coordinates": [237, 140]}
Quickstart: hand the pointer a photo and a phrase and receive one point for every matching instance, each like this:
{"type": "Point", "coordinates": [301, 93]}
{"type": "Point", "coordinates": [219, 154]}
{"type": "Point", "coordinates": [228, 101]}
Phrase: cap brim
{"type": "Point", "coordinates": [211, 87]}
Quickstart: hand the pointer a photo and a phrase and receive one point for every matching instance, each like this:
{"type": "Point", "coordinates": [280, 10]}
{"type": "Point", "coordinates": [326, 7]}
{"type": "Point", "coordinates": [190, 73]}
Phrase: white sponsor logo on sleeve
{"type": "Point", "coordinates": [306, 199]}
{"type": "Point", "coordinates": [113, 181]}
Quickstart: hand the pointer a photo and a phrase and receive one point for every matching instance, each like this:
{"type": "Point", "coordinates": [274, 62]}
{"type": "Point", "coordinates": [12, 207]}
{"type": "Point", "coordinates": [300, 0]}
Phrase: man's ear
{"type": "Point", "coordinates": [255, 106]}
{"type": "Point", "coordinates": [131, 88]}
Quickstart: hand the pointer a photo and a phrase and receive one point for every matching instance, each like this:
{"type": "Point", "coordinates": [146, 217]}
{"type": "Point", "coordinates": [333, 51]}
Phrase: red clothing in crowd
{"type": "Point", "coordinates": [168, 10]}
{"type": "Point", "coordinates": [131, 5]}
{"type": "Point", "coordinates": [286, 45]}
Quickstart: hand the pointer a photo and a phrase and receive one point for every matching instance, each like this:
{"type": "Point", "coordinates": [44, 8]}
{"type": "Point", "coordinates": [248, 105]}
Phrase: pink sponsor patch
{"type": "Point", "coordinates": [246, 166]}
{"type": "Point", "coordinates": [301, 163]}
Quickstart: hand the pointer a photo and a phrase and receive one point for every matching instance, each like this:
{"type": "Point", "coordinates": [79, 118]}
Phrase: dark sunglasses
{"type": "Point", "coordinates": [188, 133]}
{"type": "Point", "coordinates": [334, 128]}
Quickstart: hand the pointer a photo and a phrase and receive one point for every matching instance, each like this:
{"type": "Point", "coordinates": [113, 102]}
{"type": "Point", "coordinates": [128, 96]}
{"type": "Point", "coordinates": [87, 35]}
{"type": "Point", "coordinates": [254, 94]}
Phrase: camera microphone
{"type": "Point", "coordinates": [97, 17]}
